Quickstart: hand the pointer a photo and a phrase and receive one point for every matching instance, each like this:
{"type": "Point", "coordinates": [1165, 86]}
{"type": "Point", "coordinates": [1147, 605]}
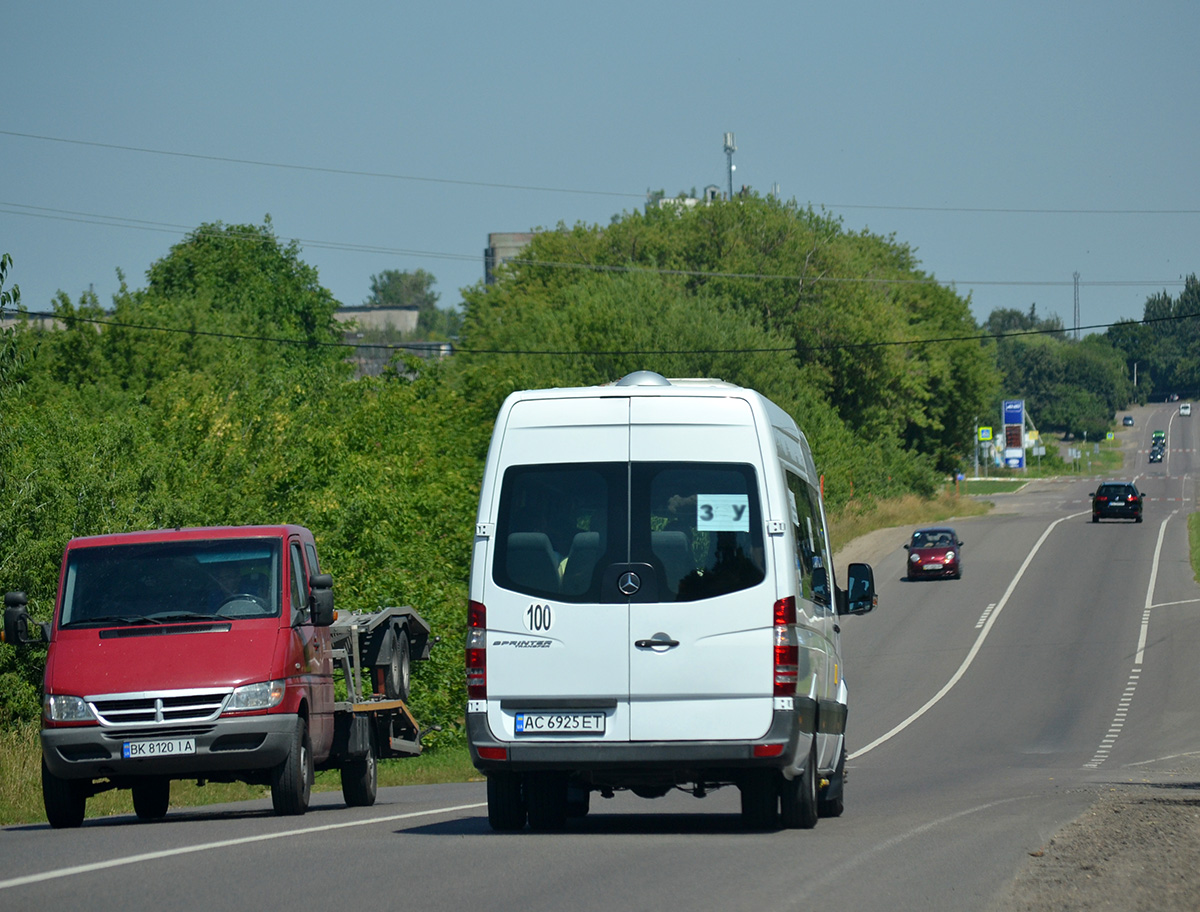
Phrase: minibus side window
{"type": "Point", "coordinates": [811, 559]}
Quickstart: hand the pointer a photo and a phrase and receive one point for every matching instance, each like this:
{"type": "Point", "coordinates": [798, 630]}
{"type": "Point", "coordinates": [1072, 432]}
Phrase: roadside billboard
{"type": "Point", "coordinates": [1013, 415]}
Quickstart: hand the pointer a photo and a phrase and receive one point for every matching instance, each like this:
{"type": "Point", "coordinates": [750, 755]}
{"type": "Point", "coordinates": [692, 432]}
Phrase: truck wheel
{"type": "Point", "coordinates": [506, 802]}
{"type": "Point", "coordinates": [152, 797]}
{"type": "Point", "coordinates": [546, 798]}
{"type": "Point", "coordinates": [760, 799]}
{"type": "Point", "coordinates": [65, 800]}
{"type": "Point", "coordinates": [830, 800]}
{"type": "Point", "coordinates": [360, 779]}
{"type": "Point", "coordinates": [291, 780]}
{"type": "Point", "coordinates": [399, 668]}
{"type": "Point", "coordinates": [798, 796]}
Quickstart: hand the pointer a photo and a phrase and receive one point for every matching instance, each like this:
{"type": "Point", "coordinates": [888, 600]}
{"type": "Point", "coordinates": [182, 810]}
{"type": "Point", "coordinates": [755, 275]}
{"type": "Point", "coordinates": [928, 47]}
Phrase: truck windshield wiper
{"type": "Point", "coordinates": [113, 620]}
{"type": "Point", "coordinates": [183, 616]}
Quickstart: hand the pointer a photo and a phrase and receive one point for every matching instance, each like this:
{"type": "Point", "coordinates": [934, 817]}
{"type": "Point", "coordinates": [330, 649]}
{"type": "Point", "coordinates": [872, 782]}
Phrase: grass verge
{"type": "Point", "coordinates": [855, 520]}
{"type": "Point", "coordinates": [1194, 544]}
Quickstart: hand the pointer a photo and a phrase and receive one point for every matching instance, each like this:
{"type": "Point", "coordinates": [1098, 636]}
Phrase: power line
{"type": "Point", "coordinates": [320, 170]}
{"type": "Point", "coordinates": [996, 210]}
{"type": "Point", "coordinates": [794, 349]}
{"type": "Point", "coordinates": [115, 221]}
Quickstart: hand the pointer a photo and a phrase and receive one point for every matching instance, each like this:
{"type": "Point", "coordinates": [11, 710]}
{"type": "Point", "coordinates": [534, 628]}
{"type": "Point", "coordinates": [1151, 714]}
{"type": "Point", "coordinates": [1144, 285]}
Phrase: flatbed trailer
{"type": "Point", "coordinates": [380, 645]}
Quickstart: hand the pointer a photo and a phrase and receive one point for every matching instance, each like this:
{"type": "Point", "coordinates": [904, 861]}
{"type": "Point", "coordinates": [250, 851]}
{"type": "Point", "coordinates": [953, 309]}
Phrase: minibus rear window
{"type": "Point", "coordinates": [562, 527]}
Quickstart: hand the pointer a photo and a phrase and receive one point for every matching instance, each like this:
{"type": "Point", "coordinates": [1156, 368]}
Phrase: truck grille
{"type": "Point", "coordinates": [171, 707]}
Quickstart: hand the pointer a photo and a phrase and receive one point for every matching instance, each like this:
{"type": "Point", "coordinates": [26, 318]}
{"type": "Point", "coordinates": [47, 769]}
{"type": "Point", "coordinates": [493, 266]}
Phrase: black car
{"type": "Point", "coordinates": [1117, 500]}
{"type": "Point", "coordinates": [1156, 455]}
{"type": "Point", "coordinates": [1127, 421]}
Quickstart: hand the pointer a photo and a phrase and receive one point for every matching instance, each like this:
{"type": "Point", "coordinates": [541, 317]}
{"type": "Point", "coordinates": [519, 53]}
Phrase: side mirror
{"type": "Point", "coordinates": [906, 546]}
{"type": "Point", "coordinates": [16, 619]}
{"type": "Point", "coordinates": [321, 602]}
{"type": "Point", "coordinates": [860, 591]}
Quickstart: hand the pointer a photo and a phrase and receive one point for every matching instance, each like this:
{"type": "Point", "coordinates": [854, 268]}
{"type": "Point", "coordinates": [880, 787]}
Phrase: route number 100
{"type": "Point", "coordinates": [538, 618]}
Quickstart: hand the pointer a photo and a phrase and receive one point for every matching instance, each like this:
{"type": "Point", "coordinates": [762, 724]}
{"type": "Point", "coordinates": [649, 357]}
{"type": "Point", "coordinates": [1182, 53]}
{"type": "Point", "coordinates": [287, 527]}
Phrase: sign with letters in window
{"type": "Point", "coordinates": [722, 512]}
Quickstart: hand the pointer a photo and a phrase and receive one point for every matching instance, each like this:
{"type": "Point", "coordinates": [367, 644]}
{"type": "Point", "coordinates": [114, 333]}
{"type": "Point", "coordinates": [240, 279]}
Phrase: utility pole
{"type": "Point", "coordinates": [976, 446]}
{"type": "Point", "coordinates": [1076, 305]}
{"type": "Point", "coordinates": [730, 148]}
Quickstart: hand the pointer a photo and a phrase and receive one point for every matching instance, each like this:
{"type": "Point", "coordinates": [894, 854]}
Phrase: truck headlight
{"type": "Point", "coordinates": [262, 695]}
{"type": "Point", "coordinates": [59, 708]}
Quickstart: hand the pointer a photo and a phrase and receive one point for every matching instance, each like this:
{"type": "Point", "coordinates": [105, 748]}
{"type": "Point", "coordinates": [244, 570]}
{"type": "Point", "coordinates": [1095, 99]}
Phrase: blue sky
{"type": "Point", "coordinates": [1010, 144]}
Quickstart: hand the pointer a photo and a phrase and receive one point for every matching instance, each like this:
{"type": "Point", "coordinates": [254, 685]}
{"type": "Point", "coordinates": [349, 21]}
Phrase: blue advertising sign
{"type": "Point", "coordinates": [1014, 433]}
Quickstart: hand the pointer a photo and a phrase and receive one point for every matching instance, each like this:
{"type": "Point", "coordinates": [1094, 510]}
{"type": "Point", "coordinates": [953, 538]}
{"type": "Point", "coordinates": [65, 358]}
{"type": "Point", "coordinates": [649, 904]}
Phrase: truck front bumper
{"type": "Point", "coordinates": [227, 745]}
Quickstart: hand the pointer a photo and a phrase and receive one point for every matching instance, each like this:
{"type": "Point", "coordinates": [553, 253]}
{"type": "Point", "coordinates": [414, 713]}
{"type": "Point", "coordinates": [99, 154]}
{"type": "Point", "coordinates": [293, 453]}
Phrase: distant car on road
{"type": "Point", "coordinates": [1117, 500]}
{"type": "Point", "coordinates": [1127, 421]}
{"type": "Point", "coordinates": [1156, 455]}
{"type": "Point", "coordinates": [1159, 437]}
{"type": "Point", "coordinates": [934, 553]}
{"type": "Point", "coordinates": [1186, 409]}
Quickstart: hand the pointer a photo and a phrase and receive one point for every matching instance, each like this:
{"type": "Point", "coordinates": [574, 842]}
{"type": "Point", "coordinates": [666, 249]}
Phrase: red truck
{"type": "Point", "coordinates": [210, 654]}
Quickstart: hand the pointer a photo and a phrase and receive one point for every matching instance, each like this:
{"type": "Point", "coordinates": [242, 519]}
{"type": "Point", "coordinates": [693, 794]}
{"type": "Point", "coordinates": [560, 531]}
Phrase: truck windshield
{"type": "Point", "coordinates": [163, 582]}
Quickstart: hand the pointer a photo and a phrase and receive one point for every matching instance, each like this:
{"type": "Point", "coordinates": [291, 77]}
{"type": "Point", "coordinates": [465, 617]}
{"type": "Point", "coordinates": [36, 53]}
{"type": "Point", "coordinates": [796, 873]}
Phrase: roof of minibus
{"type": "Point", "coordinates": [648, 383]}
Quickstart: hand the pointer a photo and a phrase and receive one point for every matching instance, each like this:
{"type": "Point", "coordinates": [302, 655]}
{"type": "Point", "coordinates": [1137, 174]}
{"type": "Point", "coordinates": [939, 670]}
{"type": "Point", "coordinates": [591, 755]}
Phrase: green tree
{"type": "Point", "coordinates": [8, 298]}
{"type": "Point", "coordinates": [1010, 321]}
{"type": "Point", "coordinates": [12, 297]}
{"type": "Point", "coordinates": [1165, 346]}
{"type": "Point", "coordinates": [399, 288]}
{"type": "Point", "coordinates": [841, 303]}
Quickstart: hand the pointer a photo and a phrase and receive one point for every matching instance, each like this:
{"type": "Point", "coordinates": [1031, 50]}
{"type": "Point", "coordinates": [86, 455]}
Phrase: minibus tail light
{"type": "Point", "coordinates": [787, 650]}
{"type": "Point", "coordinates": [476, 658]}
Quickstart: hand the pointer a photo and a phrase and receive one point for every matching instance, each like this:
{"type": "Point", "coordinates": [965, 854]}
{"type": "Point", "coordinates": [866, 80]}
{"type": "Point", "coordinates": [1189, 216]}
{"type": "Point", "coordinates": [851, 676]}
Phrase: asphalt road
{"type": "Point", "coordinates": [985, 714]}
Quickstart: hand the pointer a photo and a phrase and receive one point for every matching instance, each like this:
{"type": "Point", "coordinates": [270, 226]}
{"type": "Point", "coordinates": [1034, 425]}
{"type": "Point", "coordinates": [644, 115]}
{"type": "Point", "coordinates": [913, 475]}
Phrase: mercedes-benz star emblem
{"type": "Point", "coordinates": [629, 583]}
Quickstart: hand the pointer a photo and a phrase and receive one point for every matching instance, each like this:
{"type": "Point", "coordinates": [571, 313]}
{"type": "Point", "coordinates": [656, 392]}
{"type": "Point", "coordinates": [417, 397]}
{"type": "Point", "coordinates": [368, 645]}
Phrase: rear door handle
{"type": "Point", "coordinates": [650, 644]}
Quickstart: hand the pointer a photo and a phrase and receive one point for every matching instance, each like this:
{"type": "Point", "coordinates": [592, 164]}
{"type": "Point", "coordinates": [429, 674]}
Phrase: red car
{"type": "Point", "coordinates": [934, 553]}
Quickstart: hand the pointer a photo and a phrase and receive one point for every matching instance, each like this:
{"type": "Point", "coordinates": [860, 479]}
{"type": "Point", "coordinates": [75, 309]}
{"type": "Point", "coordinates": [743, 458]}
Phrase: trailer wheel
{"type": "Point", "coordinates": [506, 801]}
{"type": "Point", "coordinates": [360, 778]}
{"type": "Point", "coordinates": [65, 800]}
{"type": "Point", "coordinates": [291, 780]}
{"type": "Point", "coordinates": [152, 797]}
{"type": "Point", "coordinates": [397, 672]}
{"type": "Point", "coordinates": [798, 797]}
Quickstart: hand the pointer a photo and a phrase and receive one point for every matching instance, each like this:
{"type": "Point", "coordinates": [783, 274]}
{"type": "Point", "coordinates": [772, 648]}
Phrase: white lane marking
{"type": "Point", "coordinates": [983, 617]}
{"type": "Point", "coordinates": [962, 669]}
{"type": "Point", "coordinates": [1105, 748]}
{"type": "Point", "coordinates": [221, 844]}
{"type": "Point", "coordinates": [1141, 647]}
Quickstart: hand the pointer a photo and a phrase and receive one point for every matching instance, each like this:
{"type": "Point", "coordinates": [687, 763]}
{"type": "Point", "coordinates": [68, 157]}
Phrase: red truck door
{"type": "Point", "coordinates": [315, 658]}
